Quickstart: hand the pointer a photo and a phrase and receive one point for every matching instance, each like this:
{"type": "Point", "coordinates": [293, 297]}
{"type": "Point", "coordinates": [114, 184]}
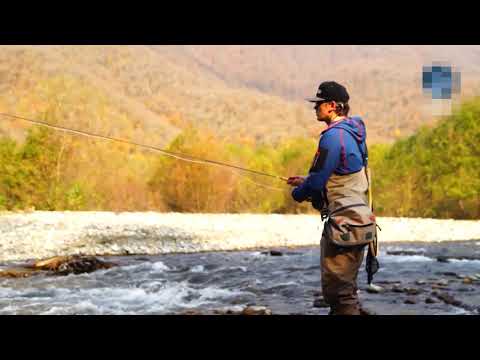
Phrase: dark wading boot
{"type": "Point", "coordinates": [345, 310]}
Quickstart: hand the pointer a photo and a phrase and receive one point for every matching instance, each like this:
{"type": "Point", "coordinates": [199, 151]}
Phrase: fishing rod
{"type": "Point", "coordinates": [176, 155]}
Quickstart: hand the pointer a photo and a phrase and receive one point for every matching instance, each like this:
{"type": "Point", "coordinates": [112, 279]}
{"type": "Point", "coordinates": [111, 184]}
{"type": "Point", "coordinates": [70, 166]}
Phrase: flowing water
{"type": "Point", "coordinates": [287, 284]}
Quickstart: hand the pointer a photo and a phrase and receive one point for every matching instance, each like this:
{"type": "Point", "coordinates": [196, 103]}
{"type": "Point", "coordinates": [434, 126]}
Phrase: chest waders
{"type": "Point", "coordinates": [344, 207]}
{"type": "Point", "coordinates": [350, 226]}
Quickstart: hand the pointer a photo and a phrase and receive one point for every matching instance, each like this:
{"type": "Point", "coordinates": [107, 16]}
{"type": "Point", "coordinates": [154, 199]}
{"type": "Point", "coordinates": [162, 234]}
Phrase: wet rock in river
{"type": "Point", "coordinates": [142, 259]}
{"type": "Point", "coordinates": [449, 273]}
{"type": "Point", "coordinates": [405, 252]}
{"type": "Point", "coordinates": [17, 273]}
{"type": "Point", "coordinates": [375, 289]}
{"type": "Point", "coordinates": [256, 310]}
{"type": "Point", "coordinates": [273, 253]}
{"type": "Point", "coordinates": [180, 269]}
{"type": "Point", "coordinates": [412, 291]}
{"type": "Point", "coordinates": [443, 259]}
{"type": "Point", "coordinates": [441, 282]}
{"type": "Point", "coordinates": [320, 303]}
{"type": "Point", "coordinates": [406, 290]}
{"type": "Point", "coordinates": [448, 299]}
{"type": "Point", "coordinates": [209, 267]}
{"type": "Point", "coordinates": [199, 278]}
{"type": "Point", "coordinates": [387, 282]}
{"type": "Point", "coordinates": [440, 287]}
{"type": "Point", "coordinates": [420, 282]}
{"type": "Point", "coordinates": [59, 265]}
{"type": "Point", "coordinates": [192, 312]}
{"type": "Point", "coordinates": [233, 310]}
{"type": "Point", "coordinates": [398, 289]}
{"type": "Point", "coordinates": [468, 280]}
{"type": "Point", "coordinates": [430, 300]}
{"type": "Point", "coordinates": [410, 300]}
{"type": "Point", "coordinates": [75, 264]}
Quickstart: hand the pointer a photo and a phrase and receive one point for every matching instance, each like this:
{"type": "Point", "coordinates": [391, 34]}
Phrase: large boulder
{"type": "Point", "coordinates": [256, 310]}
{"type": "Point", "coordinates": [58, 265]}
{"type": "Point", "coordinates": [75, 264]}
{"type": "Point", "coordinates": [17, 273]}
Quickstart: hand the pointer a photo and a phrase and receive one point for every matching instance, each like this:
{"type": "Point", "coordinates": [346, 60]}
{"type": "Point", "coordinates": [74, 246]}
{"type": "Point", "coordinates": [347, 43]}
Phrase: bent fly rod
{"type": "Point", "coordinates": [176, 155]}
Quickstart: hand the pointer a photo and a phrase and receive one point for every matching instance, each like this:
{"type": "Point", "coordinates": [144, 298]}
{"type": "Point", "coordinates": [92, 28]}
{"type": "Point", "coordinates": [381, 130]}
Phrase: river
{"type": "Point", "coordinates": [287, 284]}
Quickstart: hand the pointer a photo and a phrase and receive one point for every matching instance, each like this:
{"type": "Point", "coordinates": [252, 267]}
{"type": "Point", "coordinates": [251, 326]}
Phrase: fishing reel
{"type": "Point", "coordinates": [318, 203]}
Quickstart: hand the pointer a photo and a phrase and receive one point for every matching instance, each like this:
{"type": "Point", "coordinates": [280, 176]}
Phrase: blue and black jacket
{"type": "Point", "coordinates": [342, 150]}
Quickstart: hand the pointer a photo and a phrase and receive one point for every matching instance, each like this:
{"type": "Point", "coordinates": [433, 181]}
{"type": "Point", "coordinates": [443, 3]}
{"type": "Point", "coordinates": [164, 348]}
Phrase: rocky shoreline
{"type": "Point", "coordinates": [42, 234]}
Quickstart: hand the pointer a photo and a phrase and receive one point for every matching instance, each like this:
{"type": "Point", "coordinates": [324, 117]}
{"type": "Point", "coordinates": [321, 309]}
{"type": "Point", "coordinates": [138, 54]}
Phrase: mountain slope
{"type": "Point", "coordinates": [151, 93]}
{"type": "Point", "coordinates": [384, 81]}
{"type": "Point", "coordinates": [158, 93]}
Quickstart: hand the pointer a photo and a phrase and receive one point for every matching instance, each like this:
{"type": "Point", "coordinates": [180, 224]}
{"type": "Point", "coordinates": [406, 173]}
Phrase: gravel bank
{"type": "Point", "coordinates": [43, 234]}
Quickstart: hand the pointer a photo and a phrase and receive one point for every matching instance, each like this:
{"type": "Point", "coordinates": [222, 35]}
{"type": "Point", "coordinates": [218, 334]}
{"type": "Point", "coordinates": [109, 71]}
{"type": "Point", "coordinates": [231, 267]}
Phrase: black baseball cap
{"type": "Point", "coordinates": [331, 91]}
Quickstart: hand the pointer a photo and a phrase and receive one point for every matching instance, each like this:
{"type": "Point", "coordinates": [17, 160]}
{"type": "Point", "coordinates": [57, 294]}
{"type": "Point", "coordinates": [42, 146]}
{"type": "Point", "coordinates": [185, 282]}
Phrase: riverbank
{"type": "Point", "coordinates": [41, 234]}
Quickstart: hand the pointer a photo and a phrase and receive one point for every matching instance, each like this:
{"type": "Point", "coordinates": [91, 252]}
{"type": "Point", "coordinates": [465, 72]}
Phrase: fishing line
{"type": "Point", "coordinates": [262, 185]}
{"type": "Point", "coordinates": [176, 155]}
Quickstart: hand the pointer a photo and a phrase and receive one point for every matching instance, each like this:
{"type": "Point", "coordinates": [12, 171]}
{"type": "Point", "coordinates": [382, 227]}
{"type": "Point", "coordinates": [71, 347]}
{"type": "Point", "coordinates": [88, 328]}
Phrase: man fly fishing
{"type": "Point", "coordinates": [338, 186]}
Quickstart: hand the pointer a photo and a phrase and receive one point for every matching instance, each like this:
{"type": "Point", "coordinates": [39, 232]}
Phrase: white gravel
{"type": "Point", "coordinates": [42, 234]}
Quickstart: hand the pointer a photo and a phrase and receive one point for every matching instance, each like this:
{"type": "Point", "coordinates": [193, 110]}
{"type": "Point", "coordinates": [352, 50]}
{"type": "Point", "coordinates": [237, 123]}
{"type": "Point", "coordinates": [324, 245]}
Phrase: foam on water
{"type": "Point", "coordinates": [241, 268]}
{"type": "Point", "coordinates": [213, 293]}
{"type": "Point", "coordinates": [405, 258]}
{"type": "Point", "coordinates": [401, 248]}
{"type": "Point", "coordinates": [459, 311]}
{"type": "Point", "coordinates": [465, 261]}
{"type": "Point", "coordinates": [160, 266]}
{"type": "Point", "coordinates": [152, 297]}
{"type": "Point", "coordinates": [9, 309]}
{"type": "Point", "coordinates": [256, 253]}
{"type": "Point", "coordinates": [146, 266]}
{"type": "Point", "coordinates": [197, 269]}
{"type": "Point", "coordinates": [84, 307]}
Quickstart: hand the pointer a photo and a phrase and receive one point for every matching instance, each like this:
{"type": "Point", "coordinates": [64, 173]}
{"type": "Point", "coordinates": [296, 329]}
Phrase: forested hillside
{"type": "Point", "coordinates": [239, 104]}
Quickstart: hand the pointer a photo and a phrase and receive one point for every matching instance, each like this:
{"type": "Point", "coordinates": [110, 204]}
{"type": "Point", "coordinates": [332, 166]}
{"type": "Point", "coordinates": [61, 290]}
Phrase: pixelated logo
{"type": "Point", "coordinates": [440, 82]}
